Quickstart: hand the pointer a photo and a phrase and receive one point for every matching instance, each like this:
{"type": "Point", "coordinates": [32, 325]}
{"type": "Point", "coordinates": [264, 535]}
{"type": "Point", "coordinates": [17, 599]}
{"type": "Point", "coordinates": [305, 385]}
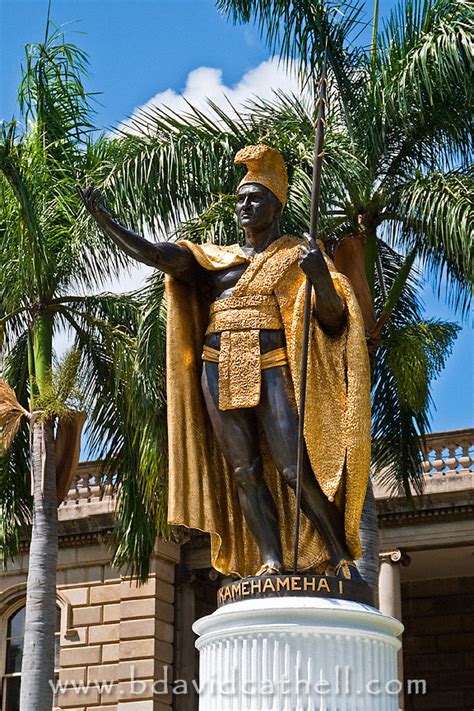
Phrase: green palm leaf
{"type": "Point", "coordinates": [425, 51]}
{"type": "Point", "coordinates": [438, 220]}
{"type": "Point", "coordinates": [121, 341]}
{"type": "Point", "coordinates": [15, 497]}
{"type": "Point", "coordinates": [298, 29]}
{"type": "Point", "coordinates": [409, 359]}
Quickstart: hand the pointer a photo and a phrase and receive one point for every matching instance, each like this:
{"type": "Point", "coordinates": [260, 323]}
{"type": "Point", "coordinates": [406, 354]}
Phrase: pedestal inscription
{"type": "Point", "coordinates": [295, 586]}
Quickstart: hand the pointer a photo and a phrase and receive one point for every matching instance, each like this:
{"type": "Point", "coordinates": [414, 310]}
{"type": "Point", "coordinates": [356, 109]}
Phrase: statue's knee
{"type": "Point", "coordinates": [289, 474]}
{"type": "Point", "coordinates": [248, 474]}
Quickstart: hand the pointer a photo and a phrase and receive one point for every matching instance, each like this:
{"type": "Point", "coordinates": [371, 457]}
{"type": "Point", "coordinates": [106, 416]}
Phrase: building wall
{"type": "Point", "coordinates": [116, 636]}
{"type": "Point", "coordinates": [438, 643]}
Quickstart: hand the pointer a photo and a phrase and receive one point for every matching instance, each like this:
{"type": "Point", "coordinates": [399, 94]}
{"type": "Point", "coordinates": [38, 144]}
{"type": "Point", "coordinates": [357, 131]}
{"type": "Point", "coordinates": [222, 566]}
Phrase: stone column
{"type": "Point", "coordinates": [390, 596]}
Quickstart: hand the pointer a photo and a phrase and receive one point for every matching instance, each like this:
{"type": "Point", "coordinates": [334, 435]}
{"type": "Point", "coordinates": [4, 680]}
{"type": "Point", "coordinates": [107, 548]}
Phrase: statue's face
{"type": "Point", "coordinates": [256, 206]}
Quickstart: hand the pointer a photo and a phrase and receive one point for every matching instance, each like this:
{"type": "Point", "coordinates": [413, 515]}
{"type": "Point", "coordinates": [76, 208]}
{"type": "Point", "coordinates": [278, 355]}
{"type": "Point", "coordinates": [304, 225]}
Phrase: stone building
{"type": "Point", "coordinates": [120, 645]}
{"type": "Point", "coordinates": [427, 574]}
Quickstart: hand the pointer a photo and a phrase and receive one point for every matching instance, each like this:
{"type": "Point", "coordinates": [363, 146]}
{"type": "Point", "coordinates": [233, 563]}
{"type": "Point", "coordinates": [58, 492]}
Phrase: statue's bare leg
{"type": "Point", "coordinates": [237, 433]}
{"type": "Point", "coordinates": [278, 416]}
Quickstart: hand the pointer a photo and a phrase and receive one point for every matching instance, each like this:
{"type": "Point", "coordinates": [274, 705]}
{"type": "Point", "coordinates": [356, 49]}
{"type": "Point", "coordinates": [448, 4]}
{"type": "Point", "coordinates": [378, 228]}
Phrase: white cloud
{"type": "Point", "coordinates": [130, 279]}
{"type": "Point", "coordinates": [206, 83]}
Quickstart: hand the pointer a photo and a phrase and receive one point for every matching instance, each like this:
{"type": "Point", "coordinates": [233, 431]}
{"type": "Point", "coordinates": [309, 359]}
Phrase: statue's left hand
{"type": "Point", "coordinates": [311, 260]}
{"type": "Point", "coordinates": [330, 309]}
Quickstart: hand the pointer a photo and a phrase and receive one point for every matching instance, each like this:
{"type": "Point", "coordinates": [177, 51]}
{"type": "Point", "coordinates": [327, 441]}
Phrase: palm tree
{"type": "Point", "coordinates": [51, 260]}
{"type": "Point", "coordinates": [394, 185]}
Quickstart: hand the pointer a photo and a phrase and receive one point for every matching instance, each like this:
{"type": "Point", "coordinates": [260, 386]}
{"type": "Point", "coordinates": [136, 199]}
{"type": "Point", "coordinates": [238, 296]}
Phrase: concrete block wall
{"type": "Point", "coordinates": [438, 643]}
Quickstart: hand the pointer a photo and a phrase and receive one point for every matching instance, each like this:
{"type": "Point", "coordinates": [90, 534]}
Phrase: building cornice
{"type": "Point", "coordinates": [422, 516]}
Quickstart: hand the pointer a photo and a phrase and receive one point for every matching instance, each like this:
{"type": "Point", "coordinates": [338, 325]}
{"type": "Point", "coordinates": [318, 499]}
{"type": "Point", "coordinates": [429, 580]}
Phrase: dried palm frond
{"type": "Point", "coordinates": [68, 449]}
{"type": "Point", "coordinates": [11, 413]}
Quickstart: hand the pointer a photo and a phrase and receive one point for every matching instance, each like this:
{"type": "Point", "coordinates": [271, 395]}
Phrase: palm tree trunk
{"type": "Point", "coordinates": [368, 565]}
{"type": "Point", "coordinates": [37, 671]}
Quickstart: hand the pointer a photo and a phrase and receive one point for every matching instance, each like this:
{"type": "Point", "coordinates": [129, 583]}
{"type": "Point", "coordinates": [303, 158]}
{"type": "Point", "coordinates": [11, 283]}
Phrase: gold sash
{"type": "Point", "coordinates": [272, 359]}
{"type": "Point", "coordinates": [242, 313]}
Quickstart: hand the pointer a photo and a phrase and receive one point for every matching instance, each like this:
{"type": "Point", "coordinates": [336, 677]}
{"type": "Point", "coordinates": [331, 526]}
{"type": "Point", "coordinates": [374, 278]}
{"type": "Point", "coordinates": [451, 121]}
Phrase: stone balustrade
{"type": "Point", "coordinates": [448, 471]}
{"type": "Point", "coordinates": [449, 452]}
{"type": "Point", "coordinates": [89, 485]}
{"type": "Point", "coordinates": [446, 453]}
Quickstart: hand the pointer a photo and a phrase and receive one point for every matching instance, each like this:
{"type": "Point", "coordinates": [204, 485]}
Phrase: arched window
{"type": "Point", "coordinates": [13, 655]}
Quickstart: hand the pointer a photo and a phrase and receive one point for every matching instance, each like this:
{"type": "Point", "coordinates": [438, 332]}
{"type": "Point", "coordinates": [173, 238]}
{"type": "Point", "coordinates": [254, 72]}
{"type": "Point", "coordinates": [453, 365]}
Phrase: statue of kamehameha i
{"type": "Point", "coordinates": [233, 373]}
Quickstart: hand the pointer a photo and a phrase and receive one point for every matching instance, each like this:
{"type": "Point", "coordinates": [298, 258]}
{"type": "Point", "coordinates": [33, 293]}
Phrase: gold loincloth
{"type": "Point", "coordinates": [239, 320]}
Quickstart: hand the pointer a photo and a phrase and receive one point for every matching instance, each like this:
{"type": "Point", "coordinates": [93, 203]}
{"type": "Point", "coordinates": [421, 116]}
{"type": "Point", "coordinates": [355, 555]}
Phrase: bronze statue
{"type": "Point", "coordinates": [237, 308]}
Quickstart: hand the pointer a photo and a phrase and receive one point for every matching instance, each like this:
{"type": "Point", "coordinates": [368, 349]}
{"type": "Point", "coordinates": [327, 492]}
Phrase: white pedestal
{"type": "Point", "coordinates": [298, 654]}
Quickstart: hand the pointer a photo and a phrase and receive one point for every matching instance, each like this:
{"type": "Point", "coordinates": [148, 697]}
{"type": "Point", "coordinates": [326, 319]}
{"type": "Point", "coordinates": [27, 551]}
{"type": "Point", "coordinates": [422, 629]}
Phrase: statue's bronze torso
{"type": "Point", "coordinates": [223, 281]}
{"type": "Point", "coordinates": [222, 284]}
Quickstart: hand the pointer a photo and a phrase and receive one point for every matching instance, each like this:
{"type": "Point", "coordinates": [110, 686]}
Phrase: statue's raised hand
{"type": "Point", "coordinates": [93, 200]}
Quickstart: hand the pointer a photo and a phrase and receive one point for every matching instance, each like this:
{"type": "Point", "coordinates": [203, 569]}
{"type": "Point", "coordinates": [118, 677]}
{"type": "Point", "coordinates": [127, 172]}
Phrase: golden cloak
{"type": "Point", "coordinates": [202, 491]}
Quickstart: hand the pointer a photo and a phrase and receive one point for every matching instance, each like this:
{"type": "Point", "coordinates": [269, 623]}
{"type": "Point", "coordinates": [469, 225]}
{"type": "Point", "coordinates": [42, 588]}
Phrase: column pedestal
{"type": "Point", "coordinates": [298, 654]}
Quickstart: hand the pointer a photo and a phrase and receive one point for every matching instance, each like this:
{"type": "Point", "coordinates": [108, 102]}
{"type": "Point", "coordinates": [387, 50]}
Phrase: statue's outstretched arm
{"type": "Point", "coordinates": [330, 308]}
{"type": "Point", "coordinates": [174, 259]}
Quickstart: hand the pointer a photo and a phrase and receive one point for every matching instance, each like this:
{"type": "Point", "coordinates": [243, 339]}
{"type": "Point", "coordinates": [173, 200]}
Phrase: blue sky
{"type": "Point", "coordinates": [140, 48]}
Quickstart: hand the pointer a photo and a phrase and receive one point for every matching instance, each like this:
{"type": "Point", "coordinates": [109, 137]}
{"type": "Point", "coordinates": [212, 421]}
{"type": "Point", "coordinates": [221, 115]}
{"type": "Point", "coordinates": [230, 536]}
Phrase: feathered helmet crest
{"type": "Point", "coordinates": [265, 166]}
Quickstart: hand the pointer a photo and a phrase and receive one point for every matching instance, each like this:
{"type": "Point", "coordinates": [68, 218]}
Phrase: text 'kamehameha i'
{"type": "Point", "coordinates": [294, 585]}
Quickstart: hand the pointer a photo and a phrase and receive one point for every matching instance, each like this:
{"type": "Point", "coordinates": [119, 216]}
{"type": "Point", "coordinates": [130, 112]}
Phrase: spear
{"type": "Point", "coordinates": [313, 234]}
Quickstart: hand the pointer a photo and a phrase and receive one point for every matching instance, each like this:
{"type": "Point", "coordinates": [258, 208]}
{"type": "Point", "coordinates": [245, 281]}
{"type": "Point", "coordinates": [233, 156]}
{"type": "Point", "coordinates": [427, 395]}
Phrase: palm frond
{"type": "Point", "coordinates": [52, 93]}
{"type": "Point", "coordinates": [145, 516]}
{"type": "Point", "coordinates": [408, 307]}
{"type": "Point", "coordinates": [410, 357]}
{"type": "Point", "coordinates": [15, 497]}
{"type": "Point", "coordinates": [437, 218]}
{"type": "Point", "coordinates": [61, 396]}
{"type": "Point", "coordinates": [49, 246]}
{"type": "Point", "coordinates": [396, 432]}
{"type": "Point", "coordinates": [11, 413]}
{"type": "Point", "coordinates": [14, 155]}
{"type": "Point", "coordinates": [298, 29]}
{"type": "Point", "coordinates": [301, 30]}
{"type": "Point", "coordinates": [421, 88]}
{"type": "Point", "coordinates": [218, 223]}
{"type": "Point", "coordinates": [135, 532]}
{"type": "Point", "coordinates": [123, 389]}
{"type": "Point", "coordinates": [426, 50]}
{"type": "Point", "coordinates": [396, 428]}
{"type": "Point", "coordinates": [416, 355]}
{"type": "Point", "coordinates": [190, 158]}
